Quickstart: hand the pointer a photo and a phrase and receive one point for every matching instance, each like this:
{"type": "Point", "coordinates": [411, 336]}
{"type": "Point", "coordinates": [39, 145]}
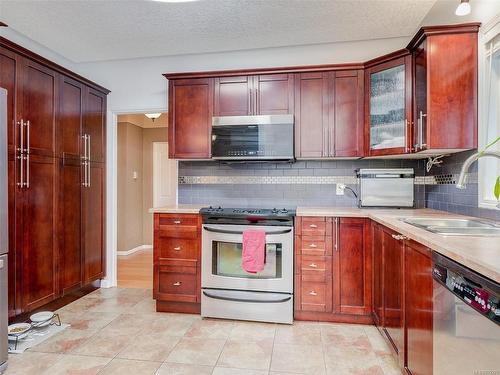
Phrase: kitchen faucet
{"type": "Point", "coordinates": [461, 184]}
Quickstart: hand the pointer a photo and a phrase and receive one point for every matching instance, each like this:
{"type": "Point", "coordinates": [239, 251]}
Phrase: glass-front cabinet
{"type": "Point", "coordinates": [389, 106]}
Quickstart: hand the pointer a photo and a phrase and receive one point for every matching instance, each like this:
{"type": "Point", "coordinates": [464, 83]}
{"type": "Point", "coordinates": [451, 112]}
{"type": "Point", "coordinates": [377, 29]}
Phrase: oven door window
{"type": "Point", "coordinates": [226, 261]}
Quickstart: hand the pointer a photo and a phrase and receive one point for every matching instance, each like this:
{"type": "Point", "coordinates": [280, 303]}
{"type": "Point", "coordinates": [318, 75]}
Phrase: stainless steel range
{"type": "Point", "coordinates": [230, 292]}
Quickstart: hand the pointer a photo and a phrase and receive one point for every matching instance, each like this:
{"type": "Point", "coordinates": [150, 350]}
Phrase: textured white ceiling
{"type": "Point", "coordinates": [94, 30]}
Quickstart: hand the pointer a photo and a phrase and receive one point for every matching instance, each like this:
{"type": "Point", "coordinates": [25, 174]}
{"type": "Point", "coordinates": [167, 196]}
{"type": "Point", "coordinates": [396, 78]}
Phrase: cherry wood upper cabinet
{"type": "Point", "coordinates": [70, 118]}
{"type": "Point", "coordinates": [445, 97]}
{"type": "Point", "coordinates": [273, 94]}
{"type": "Point", "coordinates": [190, 118]}
{"type": "Point", "coordinates": [233, 96]}
{"type": "Point", "coordinates": [311, 115]}
{"type": "Point", "coordinates": [36, 106]}
{"type": "Point", "coordinates": [329, 114]}
{"type": "Point", "coordinates": [353, 268]}
{"type": "Point", "coordinates": [94, 125]}
{"type": "Point", "coordinates": [347, 136]}
{"type": "Point", "coordinates": [418, 308]}
{"type": "Point", "coordinates": [388, 105]}
{"type": "Point", "coordinates": [265, 94]}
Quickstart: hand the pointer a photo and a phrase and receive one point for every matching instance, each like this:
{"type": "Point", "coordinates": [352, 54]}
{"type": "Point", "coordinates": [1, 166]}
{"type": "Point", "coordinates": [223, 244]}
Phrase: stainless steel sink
{"type": "Point", "coordinates": [455, 227]}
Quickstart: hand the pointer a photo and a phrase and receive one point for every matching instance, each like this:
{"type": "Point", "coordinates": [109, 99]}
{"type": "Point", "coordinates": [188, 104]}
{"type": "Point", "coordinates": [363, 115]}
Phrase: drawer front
{"type": "Point", "coordinates": [314, 226]}
{"type": "Point", "coordinates": [172, 219]}
{"type": "Point", "coordinates": [316, 268]}
{"type": "Point", "coordinates": [173, 283]}
{"type": "Point", "coordinates": [316, 245]}
{"type": "Point", "coordinates": [178, 231]}
{"type": "Point", "coordinates": [177, 248]}
{"type": "Point", "coordinates": [316, 296]}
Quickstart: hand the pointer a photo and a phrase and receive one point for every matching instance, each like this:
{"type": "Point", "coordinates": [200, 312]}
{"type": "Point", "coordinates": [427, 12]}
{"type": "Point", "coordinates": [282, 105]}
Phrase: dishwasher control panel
{"type": "Point", "coordinates": [473, 289]}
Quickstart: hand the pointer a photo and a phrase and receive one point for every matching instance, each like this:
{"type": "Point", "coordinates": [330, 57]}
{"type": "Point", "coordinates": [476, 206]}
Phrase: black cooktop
{"type": "Point", "coordinates": [256, 216]}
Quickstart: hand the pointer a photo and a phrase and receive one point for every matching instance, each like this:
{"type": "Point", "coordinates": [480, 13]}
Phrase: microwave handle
{"type": "Point", "coordinates": [226, 231]}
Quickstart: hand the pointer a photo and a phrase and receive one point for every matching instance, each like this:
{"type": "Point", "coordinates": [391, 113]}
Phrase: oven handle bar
{"type": "Point", "coordinates": [225, 231]}
{"type": "Point", "coordinates": [250, 300]}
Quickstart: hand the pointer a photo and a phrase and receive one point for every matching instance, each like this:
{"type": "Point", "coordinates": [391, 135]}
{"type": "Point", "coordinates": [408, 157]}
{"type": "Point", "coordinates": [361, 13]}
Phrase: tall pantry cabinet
{"type": "Point", "coordinates": [56, 140]}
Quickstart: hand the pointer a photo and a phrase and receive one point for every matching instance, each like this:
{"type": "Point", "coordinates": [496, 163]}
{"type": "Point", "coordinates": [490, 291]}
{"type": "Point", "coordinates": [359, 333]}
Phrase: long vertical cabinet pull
{"type": "Point", "coordinates": [88, 162]}
{"type": "Point", "coordinates": [337, 234]}
{"type": "Point", "coordinates": [28, 126]}
{"type": "Point", "coordinates": [20, 157]}
{"type": "Point", "coordinates": [84, 160]}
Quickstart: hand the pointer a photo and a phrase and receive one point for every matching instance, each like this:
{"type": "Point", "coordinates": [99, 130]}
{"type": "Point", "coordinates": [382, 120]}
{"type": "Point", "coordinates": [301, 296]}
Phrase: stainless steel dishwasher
{"type": "Point", "coordinates": [466, 320]}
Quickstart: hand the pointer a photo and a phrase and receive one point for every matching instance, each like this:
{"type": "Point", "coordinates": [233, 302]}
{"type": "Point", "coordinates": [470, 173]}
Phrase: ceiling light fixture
{"type": "Point", "coordinates": [152, 116]}
{"type": "Point", "coordinates": [463, 8]}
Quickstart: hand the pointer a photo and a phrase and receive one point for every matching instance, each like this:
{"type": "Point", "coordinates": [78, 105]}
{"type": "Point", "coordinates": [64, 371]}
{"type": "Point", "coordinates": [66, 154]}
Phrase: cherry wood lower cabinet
{"type": "Point", "coordinates": [332, 269]}
{"type": "Point", "coordinates": [402, 298]}
{"type": "Point", "coordinates": [418, 309]}
{"type": "Point", "coordinates": [177, 262]}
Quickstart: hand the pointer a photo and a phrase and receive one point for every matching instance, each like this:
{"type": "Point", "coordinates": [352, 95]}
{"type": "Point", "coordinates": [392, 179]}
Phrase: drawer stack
{"type": "Point", "coordinates": [314, 241]}
{"type": "Point", "coordinates": [176, 257]}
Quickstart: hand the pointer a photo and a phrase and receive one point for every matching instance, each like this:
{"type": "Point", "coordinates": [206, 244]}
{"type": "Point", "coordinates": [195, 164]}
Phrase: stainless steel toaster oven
{"type": "Point", "coordinates": [386, 187]}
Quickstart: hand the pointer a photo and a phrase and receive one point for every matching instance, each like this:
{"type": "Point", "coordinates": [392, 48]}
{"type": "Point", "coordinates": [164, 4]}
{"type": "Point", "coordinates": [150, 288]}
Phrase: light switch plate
{"type": "Point", "coordinates": [340, 189]}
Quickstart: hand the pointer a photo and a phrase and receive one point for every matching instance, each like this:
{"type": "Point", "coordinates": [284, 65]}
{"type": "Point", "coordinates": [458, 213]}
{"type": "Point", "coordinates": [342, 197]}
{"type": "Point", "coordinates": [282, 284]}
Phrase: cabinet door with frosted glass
{"type": "Point", "coordinates": [389, 107]}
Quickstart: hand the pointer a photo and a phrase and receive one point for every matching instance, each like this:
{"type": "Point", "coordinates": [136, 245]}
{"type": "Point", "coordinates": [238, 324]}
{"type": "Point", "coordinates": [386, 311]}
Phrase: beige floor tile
{"type": "Point", "coordinates": [235, 371]}
{"type": "Point", "coordinates": [183, 369]}
{"type": "Point", "coordinates": [145, 306]}
{"type": "Point", "coordinates": [344, 335]}
{"type": "Point", "coordinates": [377, 342]}
{"type": "Point", "coordinates": [31, 363]}
{"type": "Point", "coordinates": [247, 355]}
{"type": "Point", "coordinates": [197, 351]}
{"type": "Point", "coordinates": [90, 320]}
{"type": "Point", "coordinates": [127, 324]}
{"type": "Point", "coordinates": [116, 305]}
{"type": "Point", "coordinates": [299, 333]}
{"type": "Point", "coordinates": [169, 324]}
{"type": "Point", "coordinates": [81, 305]}
{"type": "Point", "coordinates": [210, 329]}
{"type": "Point", "coordinates": [154, 347]}
{"type": "Point", "coordinates": [65, 342]}
{"type": "Point", "coordinates": [351, 361]}
{"type": "Point", "coordinates": [248, 331]}
{"type": "Point", "coordinates": [80, 365]}
{"type": "Point", "coordinates": [306, 359]}
{"type": "Point", "coordinates": [129, 367]}
{"type": "Point", "coordinates": [104, 345]}
{"type": "Point", "coordinates": [389, 364]}
{"type": "Point", "coordinates": [105, 293]}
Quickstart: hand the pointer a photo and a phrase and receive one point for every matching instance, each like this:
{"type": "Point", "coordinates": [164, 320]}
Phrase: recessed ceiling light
{"type": "Point", "coordinates": [463, 8]}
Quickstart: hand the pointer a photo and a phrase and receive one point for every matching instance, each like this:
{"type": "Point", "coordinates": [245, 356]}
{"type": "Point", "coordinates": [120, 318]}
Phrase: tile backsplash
{"type": "Point", "coordinates": [448, 198]}
{"type": "Point", "coordinates": [303, 183]}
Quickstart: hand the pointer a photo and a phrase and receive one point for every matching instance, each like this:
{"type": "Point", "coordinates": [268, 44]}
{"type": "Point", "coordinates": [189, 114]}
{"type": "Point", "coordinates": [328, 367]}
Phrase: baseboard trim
{"type": "Point", "coordinates": [134, 250]}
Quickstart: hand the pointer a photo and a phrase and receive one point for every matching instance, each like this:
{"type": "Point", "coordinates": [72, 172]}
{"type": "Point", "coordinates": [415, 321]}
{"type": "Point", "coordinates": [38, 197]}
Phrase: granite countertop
{"type": "Point", "coordinates": [481, 254]}
{"type": "Point", "coordinates": [178, 209]}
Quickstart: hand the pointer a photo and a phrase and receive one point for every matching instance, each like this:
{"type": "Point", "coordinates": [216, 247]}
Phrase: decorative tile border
{"type": "Point", "coordinates": [444, 179]}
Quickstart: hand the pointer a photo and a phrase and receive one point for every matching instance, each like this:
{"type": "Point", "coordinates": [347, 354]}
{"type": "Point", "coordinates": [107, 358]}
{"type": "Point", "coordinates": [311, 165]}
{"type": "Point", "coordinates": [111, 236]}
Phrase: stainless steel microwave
{"type": "Point", "coordinates": [259, 138]}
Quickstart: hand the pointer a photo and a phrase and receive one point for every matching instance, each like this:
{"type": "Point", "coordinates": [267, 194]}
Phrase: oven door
{"type": "Point", "coordinates": [221, 259]}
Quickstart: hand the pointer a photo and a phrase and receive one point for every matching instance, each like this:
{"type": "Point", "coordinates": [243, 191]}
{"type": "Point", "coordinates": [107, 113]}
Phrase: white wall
{"type": "Point", "coordinates": [139, 84]}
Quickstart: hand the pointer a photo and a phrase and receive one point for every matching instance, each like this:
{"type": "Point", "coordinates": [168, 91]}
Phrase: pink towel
{"type": "Point", "coordinates": [254, 250]}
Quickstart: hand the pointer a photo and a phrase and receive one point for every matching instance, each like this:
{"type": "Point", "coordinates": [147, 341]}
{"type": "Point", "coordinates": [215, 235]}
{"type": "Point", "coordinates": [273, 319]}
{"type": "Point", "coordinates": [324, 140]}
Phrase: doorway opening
{"type": "Point", "coordinates": [146, 178]}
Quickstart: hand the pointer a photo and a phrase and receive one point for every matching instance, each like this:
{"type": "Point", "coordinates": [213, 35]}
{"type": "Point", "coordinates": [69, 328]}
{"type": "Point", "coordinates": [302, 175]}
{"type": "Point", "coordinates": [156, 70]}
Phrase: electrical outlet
{"type": "Point", "coordinates": [340, 189]}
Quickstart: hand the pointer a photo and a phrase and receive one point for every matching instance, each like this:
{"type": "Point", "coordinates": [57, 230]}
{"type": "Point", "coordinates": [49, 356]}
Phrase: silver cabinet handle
{"type": "Point", "coordinates": [313, 265]}
{"type": "Point", "coordinates": [177, 283]}
{"type": "Point", "coordinates": [84, 160]}
{"type": "Point", "coordinates": [177, 248]}
{"type": "Point", "coordinates": [325, 151]}
{"type": "Point", "coordinates": [313, 245]}
{"type": "Point", "coordinates": [313, 226]}
{"type": "Point", "coordinates": [406, 135]}
{"type": "Point", "coordinates": [28, 127]}
{"type": "Point", "coordinates": [21, 153]}
{"type": "Point", "coordinates": [177, 221]}
{"type": "Point", "coordinates": [89, 173]}
{"type": "Point", "coordinates": [313, 293]}
{"type": "Point", "coordinates": [421, 143]}
{"type": "Point", "coordinates": [337, 228]}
